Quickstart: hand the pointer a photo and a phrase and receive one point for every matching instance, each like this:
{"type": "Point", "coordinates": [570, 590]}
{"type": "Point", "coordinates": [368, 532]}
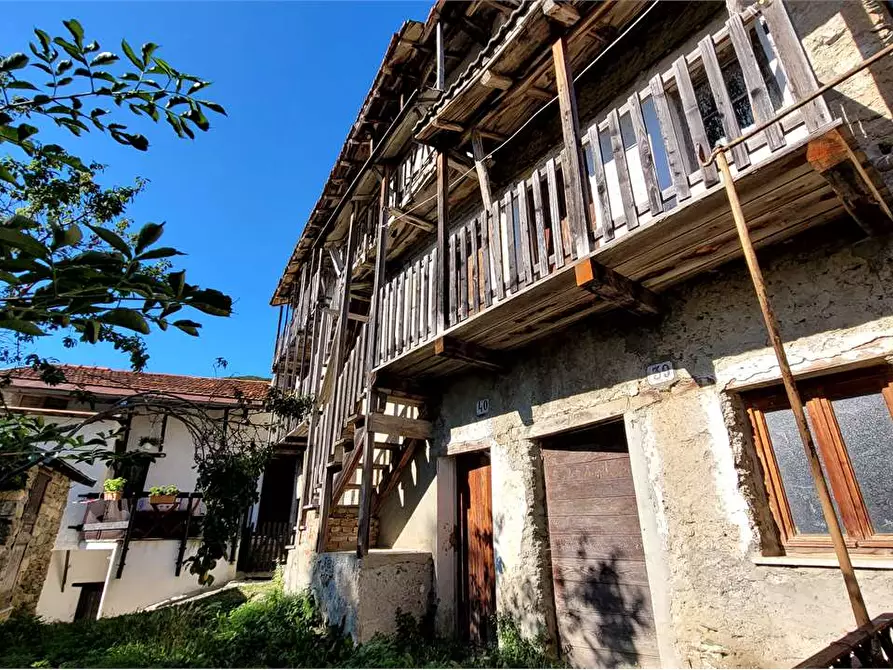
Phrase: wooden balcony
{"type": "Point", "coordinates": [526, 268]}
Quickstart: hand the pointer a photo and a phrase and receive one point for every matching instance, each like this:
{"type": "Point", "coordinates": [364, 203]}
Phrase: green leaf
{"type": "Point", "coordinates": [20, 240]}
{"type": "Point", "coordinates": [44, 39]}
{"type": "Point", "coordinates": [21, 326]}
{"type": "Point", "coordinates": [160, 252]}
{"type": "Point", "coordinates": [63, 66]}
{"type": "Point", "coordinates": [177, 281]}
{"type": "Point", "coordinates": [211, 301]}
{"type": "Point", "coordinates": [148, 49]}
{"type": "Point", "coordinates": [197, 86]}
{"type": "Point", "coordinates": [15, 61]}
{"type": "Point", "coordinates": [112, 239]}
{"type": "Point", "coordinates": [73, 235]}
{"type": "Point", "coordinates": [125, 318]}
{"type": "Point", "coordinates": [24, 131]}
{"type": "Point", "coordinates": [104, 58]}
{"type": "Point", "coordinates": [148, 235]}
{"type": "Point", "coordinates": [6, 175]}
{"type": "Point", "coordinates": [213, 106]}
{"type": "Point", "coordinates": [195, 115]}
{"type": "Point", "coordinates": [22, 86]}
{"type": "Point", "coordinates": [71, 50]}
{"type": "Point", "coordinates": [131, 54]}
{"type": "Point", "coordinates": [188, 327]}
{"type": "Point", "coordinates": [76, 30]}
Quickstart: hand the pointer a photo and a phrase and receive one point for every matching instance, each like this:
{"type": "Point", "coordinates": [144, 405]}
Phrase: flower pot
{"type": "Point", "coordinates": [111, 495]}
{"type": "Point", "coordinates": [162, 500]}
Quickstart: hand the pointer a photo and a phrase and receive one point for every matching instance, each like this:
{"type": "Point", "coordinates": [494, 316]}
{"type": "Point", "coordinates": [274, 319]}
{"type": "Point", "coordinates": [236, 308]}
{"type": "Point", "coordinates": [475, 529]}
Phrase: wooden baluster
{"type": "Point", "coordinates": [626, 189]}
{"type": "Point", "coordinates": [693, 116]}
{"type": "Point", "coordinates": [723, 101]}
{"type": "Point", "coordinates": [485, 258]}
{"type": "Point", "coordinates": [646, 158]}
{"type": "Point", "coordinates": [432, 292]}
{"type": "Point", "coordinates": [454, 289]}
{"type": "Point", "coordinates": [555, 212]}
{"type": "Point", "coordinates": [757, 93]}
{"type": "Point", "coordinates": [675, 160]}
{"type": "Point", "coordinates": [539, 223]}
{"type": "Point", "coordinates": [496, 249]}
{"type": "Point", "coordinates": [524, 242]}
{"type": "Point", "coordinates": [463, 273]}
{"type": "Point", "coordinates": [510, 242]}
{"type": "Point", "coordinates": [475, 267]}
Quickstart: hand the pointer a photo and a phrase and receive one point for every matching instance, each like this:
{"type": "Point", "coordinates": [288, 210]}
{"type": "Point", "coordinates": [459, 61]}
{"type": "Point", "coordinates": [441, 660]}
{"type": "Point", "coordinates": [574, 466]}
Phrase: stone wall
{"type": "Point", "coordinates": [702, 505]}
{"type": "Point", "coordinates": [30, 520]}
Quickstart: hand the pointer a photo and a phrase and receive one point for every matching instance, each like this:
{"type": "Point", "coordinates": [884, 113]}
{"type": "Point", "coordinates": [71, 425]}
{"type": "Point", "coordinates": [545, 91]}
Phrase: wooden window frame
{"type": "Point", "coordinates": [817, 394]}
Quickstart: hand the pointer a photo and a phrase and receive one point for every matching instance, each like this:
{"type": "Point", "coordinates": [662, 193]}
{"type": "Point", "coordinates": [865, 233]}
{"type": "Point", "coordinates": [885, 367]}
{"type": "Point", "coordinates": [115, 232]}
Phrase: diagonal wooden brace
{"type": "Point", "coordinates": [615, 288]}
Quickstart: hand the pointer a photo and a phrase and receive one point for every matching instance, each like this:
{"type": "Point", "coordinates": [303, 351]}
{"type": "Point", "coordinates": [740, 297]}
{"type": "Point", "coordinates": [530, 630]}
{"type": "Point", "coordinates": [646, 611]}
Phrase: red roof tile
{"type": "Point", "coordinates": [122, 382]}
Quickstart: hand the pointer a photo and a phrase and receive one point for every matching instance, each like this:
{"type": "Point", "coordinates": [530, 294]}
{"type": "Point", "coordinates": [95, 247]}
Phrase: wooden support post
{"type": "Point", "coordinates": [614, 287]}
{"type": "Point", "coordinates": [833, 158]}
{"type": "Point", "coordinates": [815, 466]}
{"type": "Point", "coordinates": [450, 347]}
{"type": "Point", "coordinates": [441, 59]}
{"type": "Point", "coordinates": [443, 226]}
{"type": "Point", "coordinates": [477, 147]}
{"type": "Point", "coordinates": [365, 442]}
{"type": "Point", "coordinates": [376, 315]}
{"type": "Point", "coordinates": [575, 169]}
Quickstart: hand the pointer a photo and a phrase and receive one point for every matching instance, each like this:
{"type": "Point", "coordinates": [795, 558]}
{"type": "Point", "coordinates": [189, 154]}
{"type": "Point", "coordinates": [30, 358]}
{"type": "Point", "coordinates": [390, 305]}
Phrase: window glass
{"type": "Point", "coordinates": [796, 476]}
{"type": "Point", "coordinates": [658, 150]}
{"type": "Point", "coordinates": [867, 431]}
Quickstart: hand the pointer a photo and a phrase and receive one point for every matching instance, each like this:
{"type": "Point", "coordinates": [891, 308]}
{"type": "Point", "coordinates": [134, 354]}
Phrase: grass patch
{"type": "Point", "coordinates": [251, 626]}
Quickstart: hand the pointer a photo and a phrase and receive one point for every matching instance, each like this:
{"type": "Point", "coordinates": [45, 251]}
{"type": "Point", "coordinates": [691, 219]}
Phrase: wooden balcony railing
{"type": "Point", "coordinates": [642, 167]}
{"type": "Point", "coordinates": [416, 168]}
{"type": "Point", "coordinates": [870, 646]}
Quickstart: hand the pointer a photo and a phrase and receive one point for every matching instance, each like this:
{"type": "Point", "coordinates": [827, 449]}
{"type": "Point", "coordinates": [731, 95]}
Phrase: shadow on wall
{"type": "Point", "coordinates": [399, 506]}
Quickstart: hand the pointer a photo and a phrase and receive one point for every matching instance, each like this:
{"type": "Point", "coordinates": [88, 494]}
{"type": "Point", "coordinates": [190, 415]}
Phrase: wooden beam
{"type": "Point", "coordinates": [450, 347]}
{"type": "Point", "coordinates": [538, 93]}
{"type": "Point", "coordinates": [443, 225]}
{"type": "Point", "coordinates": [459, 162]}
{"type": "Point", "coordinates": [447, 125]}
{"type": "Point", "coordinates": [388, 424]}
{"type": "Point", "coordinates": [561, 12]}
{"type": "Point", "coordinates": [365, 442]}
{"type": "Point", "coordinates": [441, 58]}
{"type": "Point", "coordinates": [393, 478]}
{"type": "Point", "coordinates": [412, 219]}
{"type": "Point", "coordinates": [575, 172]}
{"type": "Point", "coordinates": [490, 135]}
{"type": "Point", "coordinates": [833, 158]}
{"type": "Point", "coordinates": [614, 287]}
{"type": "Point", "coordinates": [477, 147]}
{"type": "Point", "coordinates": [491, 79]}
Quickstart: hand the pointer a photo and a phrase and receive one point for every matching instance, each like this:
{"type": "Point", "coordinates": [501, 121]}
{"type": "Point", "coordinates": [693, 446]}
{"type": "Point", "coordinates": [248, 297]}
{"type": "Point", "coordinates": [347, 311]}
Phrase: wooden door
{"type": "Point", "coordinates": [602, 599]}
{"type": "Point", "coordinates": [88, 601]}
{"type": "Point", "coordinates": [477, 597]}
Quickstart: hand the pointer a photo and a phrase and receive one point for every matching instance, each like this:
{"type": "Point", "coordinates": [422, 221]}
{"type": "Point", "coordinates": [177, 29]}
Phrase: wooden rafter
{"type": "Point", "coordinates": [614, 287]}
{"type": "Point", "coordinates": [450, 347]}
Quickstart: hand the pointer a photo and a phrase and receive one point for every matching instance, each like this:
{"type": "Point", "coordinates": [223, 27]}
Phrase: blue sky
{"type": "Point", "coordinates": [292, 76]}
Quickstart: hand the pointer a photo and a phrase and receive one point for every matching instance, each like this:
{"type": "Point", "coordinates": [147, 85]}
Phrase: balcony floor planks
{"type": "Point", "coordinates": [781, 197]}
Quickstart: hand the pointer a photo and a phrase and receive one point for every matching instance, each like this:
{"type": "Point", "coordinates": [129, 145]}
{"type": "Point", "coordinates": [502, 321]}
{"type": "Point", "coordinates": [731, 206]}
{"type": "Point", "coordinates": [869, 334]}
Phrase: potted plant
{"type": "Point", "coordinates": [163, 495]}
{"type": "Point", "coordinates": [113, 489]}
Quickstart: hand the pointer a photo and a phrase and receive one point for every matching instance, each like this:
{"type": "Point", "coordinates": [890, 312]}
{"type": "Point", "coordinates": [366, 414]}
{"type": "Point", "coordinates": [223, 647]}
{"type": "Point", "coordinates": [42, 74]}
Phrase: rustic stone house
{"type": "Point", "coordinates": [544, 387]}
{"type": "Point", "coordinates": [105, 557]}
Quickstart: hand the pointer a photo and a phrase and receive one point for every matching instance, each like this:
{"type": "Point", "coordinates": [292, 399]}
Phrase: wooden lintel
{"type": "Point", "coordinates": [491, 79]}
{"type": "Point", "coordinates": [562, 12]}
{"type": "Point", "coordinates": [412, 219]}
{"type": "Point", "coordinates": [450, 347]}
{"type": "Point", "coordinates": [614, 287]}
{"type": "Point", "coordinates": [538, 93]}
{"type": "Point", "coordinates": [388, 424]}
{"type": "Point", "coordinates": [447, 125]}
{"type": "Point", "coordinates": [490, 135]}
{"type": "Point", "coordinates": [832, 157]}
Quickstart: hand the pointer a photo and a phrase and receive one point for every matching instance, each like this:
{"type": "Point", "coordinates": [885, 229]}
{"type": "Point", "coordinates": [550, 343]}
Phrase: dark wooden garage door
{"type": "Point", "coordinates": [602, 600]}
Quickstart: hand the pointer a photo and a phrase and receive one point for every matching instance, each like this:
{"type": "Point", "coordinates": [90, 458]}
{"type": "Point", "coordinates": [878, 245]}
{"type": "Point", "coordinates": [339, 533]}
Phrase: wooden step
{"type": "Point", "coordinates": [389, 446]}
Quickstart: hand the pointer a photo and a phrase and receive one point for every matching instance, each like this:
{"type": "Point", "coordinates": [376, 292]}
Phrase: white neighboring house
{"type": "Point", "coordinates": [108, 560]}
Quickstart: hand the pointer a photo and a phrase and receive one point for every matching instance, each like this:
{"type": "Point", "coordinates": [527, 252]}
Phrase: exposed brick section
{"type": "Point", "coordinates": [343, 528]}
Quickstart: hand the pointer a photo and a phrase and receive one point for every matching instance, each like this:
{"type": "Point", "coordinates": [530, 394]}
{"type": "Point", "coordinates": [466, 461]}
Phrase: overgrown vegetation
{"type": "Point", "coordinates": [243, 627]}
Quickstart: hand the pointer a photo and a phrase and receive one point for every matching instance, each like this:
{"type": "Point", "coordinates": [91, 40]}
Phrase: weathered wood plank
{"type": "Point", "coordinates": [475, 276]}
{"type": "Point", "coordinates": [612, 286]}
{"type": "Point", "coordinates": [450, 347]}
{"type": "Point", "coordinates": [555, 213]}
{"type": "Point", "coordinates": [388, 424]}
{"type": "Point", "coordinates": [524, 229]}
{"type": "Point", "coordinates": [574, 168]}
{"type": "Point", "coordinates": [454, 288]}
{"type": "Point", "coordinates": [496, 249]}
{"type": "Point", "coordinates": [510, 257]}
{"type": "Point", "coordinates": [462, 245]}
{"type": "Point", "coordinates": [485, 258]}
{"type": "Point", "coordinates": [675, 160]}
{"type": "Point", "coordinates": [477, 148]}
{"type": "Point", "coordinates": [423, 298]}
{"type": "Point", "coordinates": [757, 93]}
{"type": "Point", "coordinates": [693, 116]}
{"type": "Point", "coordinates": [723, 101]}
{"type": "Point", "coordinates": [796, 66]}
{"type": "Point", "coordinates": [605, 226]}
{"type": "Point", "coordinates": [432, 292]}
{"type": "Point", "coordinates": [630, 213]}
{"type": "Point", "coordinates": [539, 222]}
{"type": "Point", "coordinates": [646, 158]}
{"type": "Point", "coordinates": [443, 226]}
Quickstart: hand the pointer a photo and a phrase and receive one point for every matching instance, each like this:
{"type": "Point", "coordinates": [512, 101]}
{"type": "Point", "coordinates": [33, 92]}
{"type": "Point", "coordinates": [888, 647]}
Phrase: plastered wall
{"type": "Point", "coordinates": [699, 487]}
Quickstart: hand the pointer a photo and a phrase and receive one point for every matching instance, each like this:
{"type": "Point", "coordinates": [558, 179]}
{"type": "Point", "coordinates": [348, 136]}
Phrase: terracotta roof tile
{"type": "Point", "coordinates": [126, 381]}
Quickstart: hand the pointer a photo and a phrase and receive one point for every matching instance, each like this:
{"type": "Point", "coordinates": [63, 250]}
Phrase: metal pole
{"type": "Point", "coordinates": [815, 466]}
